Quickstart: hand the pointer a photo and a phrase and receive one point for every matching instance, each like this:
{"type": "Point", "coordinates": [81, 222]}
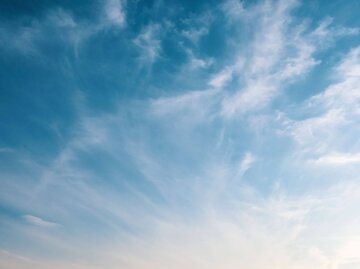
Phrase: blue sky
{"type": "Point", "coordinates": [179, 134]}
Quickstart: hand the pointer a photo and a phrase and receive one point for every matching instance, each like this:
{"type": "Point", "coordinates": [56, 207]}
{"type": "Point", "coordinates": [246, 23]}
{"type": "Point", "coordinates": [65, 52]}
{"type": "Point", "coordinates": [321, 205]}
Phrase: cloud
{"type": "Point", "coordinates": [196, 103]}
{"type": "Point", "coordinates": [21, 40]}
{"type": "Point", "coordinates": [6, 150]}
{"type": "Point", "coordinates": [288, 225]}
{"type": "Point", "coordinates": [246, 163]}
{"type": "Point", "coordinates": [335, 115]}
{"type": "Point", "coordinates": [29, 38]}
{"type": "Point", "coordinates": [195, 34]}
{"type": "Point", "coordinates": [234, 9]}
{"type": "Point", "coordinates": [149, 43]}
{"type": "Point", "coordinates": [327, 31]}
{"type": "Point", "coordinates": [39, 221]}
{"type": "Point", "coordinates": [343, 94]}
{"type": "Point", "coordinates": [219, 80]}
{"type": "Point", "coordinates": [282, 51]}
{"type": "Point", "coordinates": [285, 225]}
{"type": "Point", "coordinates": [337, 159]}
{"type": "Point", "coordinates": [270, 65]}
{"type": "Point", "coordinates": [195, 63]}
{"type": "Point", "coordinates": [114, 12]}
{"type": "Point", "coordinates": [196, 27]}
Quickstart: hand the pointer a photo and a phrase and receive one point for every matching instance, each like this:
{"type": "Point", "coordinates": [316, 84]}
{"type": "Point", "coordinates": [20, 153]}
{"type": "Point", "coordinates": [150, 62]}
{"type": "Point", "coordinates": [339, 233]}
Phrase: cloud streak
{"type": "Point", "coordinates": [39, 221]}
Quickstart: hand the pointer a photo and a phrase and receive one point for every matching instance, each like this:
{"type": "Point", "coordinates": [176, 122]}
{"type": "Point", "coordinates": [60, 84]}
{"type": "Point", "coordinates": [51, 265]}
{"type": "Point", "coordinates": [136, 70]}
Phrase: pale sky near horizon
{"type": "Point", "coordinates": [152, 134]}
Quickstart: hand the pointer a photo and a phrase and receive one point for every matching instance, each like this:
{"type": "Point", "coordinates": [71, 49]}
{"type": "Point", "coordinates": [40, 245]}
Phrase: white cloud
{"type": "Point", "coordinates": [195, 63]}
{"type": "Point", "coordinates": [21, 40]}
{"type": "Point", "coordinates": [114, 12]}
{"type": "Point", "coordinates": [149, 43]}
{"type": "Point", "coordinates": [246, 163]}
{"type": "Point", "coordinates": [336, 113]}
{"type": "Point", "coordinates": [233, 9]}
{"type": "Point", "coordinates": [39, 221]}
{"type": "Point", "coordinates": [281, 52]}
{"type": "Point", "coordinates": [61, 18]}
{"type": "Point", "coordinates": [345, 93]}
{"type": "Point", "coordinates": [219, 80]}
{"type": "Point", "coordinates": [310, 130]}
{"type": "Point", "coordinates": [192, 105]}
{"type": "Point", "coordinates": [197, 27]}
{"type": "Point", "coordinates": [263, 71]}
{"type": "Point", "coordinates": [28, 39]}
{"type": "Point", "coordinates": [337, 159]}
{"type": "Point", "coordinates": [286, 226]}
{"type": "Point", "coordinates": [326, 31]}
{"type": "Point", "coordinates": [195, 34]}
{"type": "Point", "coordinates": [238, 233]}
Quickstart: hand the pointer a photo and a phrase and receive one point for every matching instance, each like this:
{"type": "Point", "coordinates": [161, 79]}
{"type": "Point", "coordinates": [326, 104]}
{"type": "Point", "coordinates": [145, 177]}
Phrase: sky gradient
{"type": "Point", "coordinates": [180, 134]}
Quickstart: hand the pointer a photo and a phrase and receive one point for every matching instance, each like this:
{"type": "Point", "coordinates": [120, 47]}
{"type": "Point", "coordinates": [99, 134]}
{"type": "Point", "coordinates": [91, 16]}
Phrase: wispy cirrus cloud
{"type": "Point", "coordinates": [220, 167]}
{"type": "Point", "coordinates": [29, 38]}
{"type": "Point", "coordinates": [246, 163]}
{"type": "Point", "coordinates": [337, 159]}
{"type": "Point", "coordinates": [114, 12]}
{"type": "Point", "coordinates": [39, 221]}
{"type": "Point", "coordinates": [336, 109]}
{"type": "Point", "coordinates": [149, 43]}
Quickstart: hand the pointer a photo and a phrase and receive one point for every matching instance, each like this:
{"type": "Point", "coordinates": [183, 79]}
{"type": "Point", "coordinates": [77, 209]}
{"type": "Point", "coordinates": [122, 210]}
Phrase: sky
{"type": "Point", "coordinates": [152, 134]}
